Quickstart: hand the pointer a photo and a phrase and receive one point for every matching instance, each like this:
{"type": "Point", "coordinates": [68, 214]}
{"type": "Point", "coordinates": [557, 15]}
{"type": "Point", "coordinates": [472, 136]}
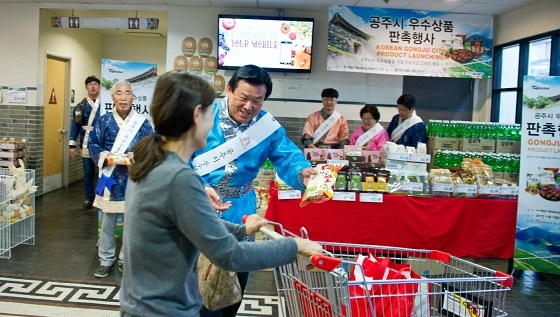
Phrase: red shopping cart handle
{"type": "Point", "coordinates": [324, 262]}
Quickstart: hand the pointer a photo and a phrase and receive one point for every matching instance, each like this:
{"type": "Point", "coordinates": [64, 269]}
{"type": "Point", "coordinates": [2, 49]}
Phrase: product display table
{"type": "Point", "coordinates": [463, 227]}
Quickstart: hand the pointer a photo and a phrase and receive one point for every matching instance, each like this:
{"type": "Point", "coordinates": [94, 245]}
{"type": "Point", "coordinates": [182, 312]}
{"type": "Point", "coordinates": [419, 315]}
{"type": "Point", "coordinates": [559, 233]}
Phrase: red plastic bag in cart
{"type": "Point", "coordinates": [400, 303]}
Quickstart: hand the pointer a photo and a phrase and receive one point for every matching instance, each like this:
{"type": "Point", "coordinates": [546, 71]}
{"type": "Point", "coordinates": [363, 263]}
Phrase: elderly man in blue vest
{"type": "Point", "coordinates": [115, 134]}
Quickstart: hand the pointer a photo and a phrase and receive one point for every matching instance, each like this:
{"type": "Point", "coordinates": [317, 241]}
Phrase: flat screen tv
{"type": "Point", "coordinates": [276, 44]}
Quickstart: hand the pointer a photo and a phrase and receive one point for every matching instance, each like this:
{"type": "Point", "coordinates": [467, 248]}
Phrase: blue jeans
{"type": "Point", "coordinates": [89, 178]}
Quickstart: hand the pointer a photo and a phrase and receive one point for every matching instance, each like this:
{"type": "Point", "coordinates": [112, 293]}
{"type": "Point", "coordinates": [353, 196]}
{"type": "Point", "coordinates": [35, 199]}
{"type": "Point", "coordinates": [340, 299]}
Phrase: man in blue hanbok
{"type": "Point", "coordinates": [84, 115]}
{"type": "Point", "coordinates": [406, 127]}
{"type": "Point", "coordinates": [114, 135]}
{"type": "Point", "coordinates": [242, 138]}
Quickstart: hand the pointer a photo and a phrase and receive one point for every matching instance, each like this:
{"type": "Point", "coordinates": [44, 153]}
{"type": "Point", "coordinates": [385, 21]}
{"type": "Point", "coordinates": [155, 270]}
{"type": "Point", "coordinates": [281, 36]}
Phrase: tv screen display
{"type": "Point", "coordinates": [274, 43]}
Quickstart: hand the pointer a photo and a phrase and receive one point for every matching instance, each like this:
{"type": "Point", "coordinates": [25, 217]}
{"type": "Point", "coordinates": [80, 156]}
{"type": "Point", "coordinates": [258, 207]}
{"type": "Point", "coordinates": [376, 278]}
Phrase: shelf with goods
{"type": "Point", "coordinates": [415, 172]}
{"type": "Point", "coordinates": [474, 159]}
{"type": "Point", "coordinates": [17, 209]}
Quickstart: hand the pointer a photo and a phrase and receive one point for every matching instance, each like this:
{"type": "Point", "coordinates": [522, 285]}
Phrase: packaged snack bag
{"type": "Point", "coordinates": [320, 186]}
{"type": "Point", "coordinates": [120, 159]}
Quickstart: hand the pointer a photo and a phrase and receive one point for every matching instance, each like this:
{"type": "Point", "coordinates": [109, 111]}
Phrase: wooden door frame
{"type": "Point", "coordinates": [66, 118]}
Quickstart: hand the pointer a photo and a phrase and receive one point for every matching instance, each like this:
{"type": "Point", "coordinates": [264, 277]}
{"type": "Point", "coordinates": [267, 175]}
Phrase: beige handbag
{"type": "Point", "coordinates": [219, 288]}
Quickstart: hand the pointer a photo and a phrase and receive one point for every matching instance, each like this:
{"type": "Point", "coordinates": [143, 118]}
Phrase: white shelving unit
{"type": "Point", "coordinates": [17, 226]}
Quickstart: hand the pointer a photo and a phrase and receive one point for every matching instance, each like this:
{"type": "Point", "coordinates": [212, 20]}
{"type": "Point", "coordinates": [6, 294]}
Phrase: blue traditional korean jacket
{"type": "Point", "coordinates": [412, 135]}
{"type": "Point", "coordinates": [102, 138]}
{"type": "Point", "coordinates": [233, 182]}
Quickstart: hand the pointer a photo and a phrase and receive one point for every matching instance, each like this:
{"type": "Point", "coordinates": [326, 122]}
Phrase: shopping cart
{"type": "Point", "coordinates": [338, 286]}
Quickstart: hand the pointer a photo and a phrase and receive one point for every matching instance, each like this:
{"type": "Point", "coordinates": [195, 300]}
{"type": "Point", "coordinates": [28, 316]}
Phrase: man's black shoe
{"type": "Point", "coordinates": [87, 205]}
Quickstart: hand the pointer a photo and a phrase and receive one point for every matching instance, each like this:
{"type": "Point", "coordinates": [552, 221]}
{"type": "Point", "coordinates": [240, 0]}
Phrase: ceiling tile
{"type": "Point", "coordinates": [234, 3]}
{"type": "Point", "coordinates": [282, 4]}
{"type": "Point", "coordinates": [435, 5]}
{"type": "Point", "coordinates": [489, 7]}
{"type": "Point", "coordinates": [142, 2]}
{"type": "Point", "coordinates": [482, 8]}
{"type": "Point", "coordinates": [194, 3]}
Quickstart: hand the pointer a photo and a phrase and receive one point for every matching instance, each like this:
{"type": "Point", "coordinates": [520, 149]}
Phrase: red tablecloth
{"type": "Point", "coordinates": [463, 227]}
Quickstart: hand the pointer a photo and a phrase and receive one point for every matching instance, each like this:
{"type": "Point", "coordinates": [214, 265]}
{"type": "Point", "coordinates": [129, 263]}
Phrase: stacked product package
{"type": "Point", "coordinates": [408, 167]}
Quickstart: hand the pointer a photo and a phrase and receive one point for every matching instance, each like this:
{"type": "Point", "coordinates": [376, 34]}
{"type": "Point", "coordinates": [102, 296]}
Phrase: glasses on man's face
{"type": "Point", "coordinates": [329, 99]}
{"type": "Point", "coordinates": [367, 118]}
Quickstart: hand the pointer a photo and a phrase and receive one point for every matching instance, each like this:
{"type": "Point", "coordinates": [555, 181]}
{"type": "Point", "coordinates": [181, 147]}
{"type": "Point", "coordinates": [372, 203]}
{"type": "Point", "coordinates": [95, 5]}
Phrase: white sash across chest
{"type": "Point", "coordinates": [326, 126]}
{"type": "Point", "coordinates": [369, 134]}
{"type": "Point", "coordinates": [126, 134]}
{"type": "Point", "coordinates": [89, 126]}
{"type": "Point", "coordinates": [396, 134]}
{"type": "Point", "coordinates": [235, 147]}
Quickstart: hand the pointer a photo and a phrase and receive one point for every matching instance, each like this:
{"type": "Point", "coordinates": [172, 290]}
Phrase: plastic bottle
{"type": "Point", "coordinates": [453, 133]}
{"type": "Point", "coordinates": [443, 128]}
{"type": "Point", "coordinates": [517, 132]}
{"type": "Point", "coordinates": [499, 164]}
{"type": "Point", "coordinates": [438, 159]}
{"type": "Point", "coordinates": [509, 164]}
{"type": "Point", "coordinates": [461, 126]}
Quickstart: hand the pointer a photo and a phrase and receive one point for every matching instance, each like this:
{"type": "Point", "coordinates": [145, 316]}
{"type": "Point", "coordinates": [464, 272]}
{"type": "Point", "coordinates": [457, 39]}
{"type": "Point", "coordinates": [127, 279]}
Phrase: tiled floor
{"type": "Point", "coordinates": [65, 250]}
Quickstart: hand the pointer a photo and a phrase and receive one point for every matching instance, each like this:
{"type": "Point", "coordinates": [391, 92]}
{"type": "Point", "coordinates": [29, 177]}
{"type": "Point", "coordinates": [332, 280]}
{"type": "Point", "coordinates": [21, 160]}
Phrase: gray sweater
{"type": "Point", "coordinates": [168, 220]}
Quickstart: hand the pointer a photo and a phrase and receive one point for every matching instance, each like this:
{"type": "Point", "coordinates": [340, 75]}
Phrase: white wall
{"type": "Point", "coordinates": [19, 42]}
{"type": "Point", "coordinates": [86, 48]}
{"type": "Point", "coordinates": [81, 46]}
{"type": "Point", "coordinates": [22, 60]}
{"type": "Point", "coordinates": [136, 49]}
{"type": "Point", "coordinates": [353, 87]}
{"type": "Point", "coordinates": [536, 18]}
{"type": "Point", "coordinates": [540, 17]}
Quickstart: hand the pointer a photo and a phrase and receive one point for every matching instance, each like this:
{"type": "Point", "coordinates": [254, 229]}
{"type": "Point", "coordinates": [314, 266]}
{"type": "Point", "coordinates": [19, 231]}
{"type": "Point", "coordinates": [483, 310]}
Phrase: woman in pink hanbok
{"type": "Point", "coordinates": [370, 135]}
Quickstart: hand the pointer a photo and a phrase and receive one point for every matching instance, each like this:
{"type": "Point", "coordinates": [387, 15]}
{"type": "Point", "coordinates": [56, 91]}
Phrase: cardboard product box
{"type": "Point", "coordinates": [395, 164]}
{"type": "Point", "coordinates": [477, 145]}
{"type": "Point", "coordinates": [351, 148]}
{"type": "Point", "coordinates": [365, 165]}
{"type": "Point", "coordinates": [5, 162]}
{"type": "Point", "coordinates": [12, 153]}
{"type": "Point", "coordinates": [498, 175]}
{"type": "Point", "coordinates": [372, 156]}
{"type": "Point", "coordinates": [469, 144]}
{"type": "Point", "coordinates": [315, 154]}
{"type": "Point", "coordinates": [335, 154]}
{"type": "Point", "coordinates": [416, 167]}
{"type": "Point", "coordinates": [488, 146]}
{"type": "Point", "coordinates": [356, 159]}
{"type": "Point", "coordinates": [442, 144]}
{"type": "Point", "coordinates": [511, 177]}
{"type": "Point", "coordinates": [12, 145]}
{"type": "Point", "coordinates": [512, 147]}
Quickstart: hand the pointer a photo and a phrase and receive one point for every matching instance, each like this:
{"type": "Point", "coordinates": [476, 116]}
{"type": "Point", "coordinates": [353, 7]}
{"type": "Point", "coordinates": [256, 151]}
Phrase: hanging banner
{"type": "Point", "coordinates": [104, 23]}
{"type": "Point", "coordinates": [537, 239]}
{"type": "Point", "coordinates": [412, 43]}
{"type": "Point", "coordinates": [142, 76]}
